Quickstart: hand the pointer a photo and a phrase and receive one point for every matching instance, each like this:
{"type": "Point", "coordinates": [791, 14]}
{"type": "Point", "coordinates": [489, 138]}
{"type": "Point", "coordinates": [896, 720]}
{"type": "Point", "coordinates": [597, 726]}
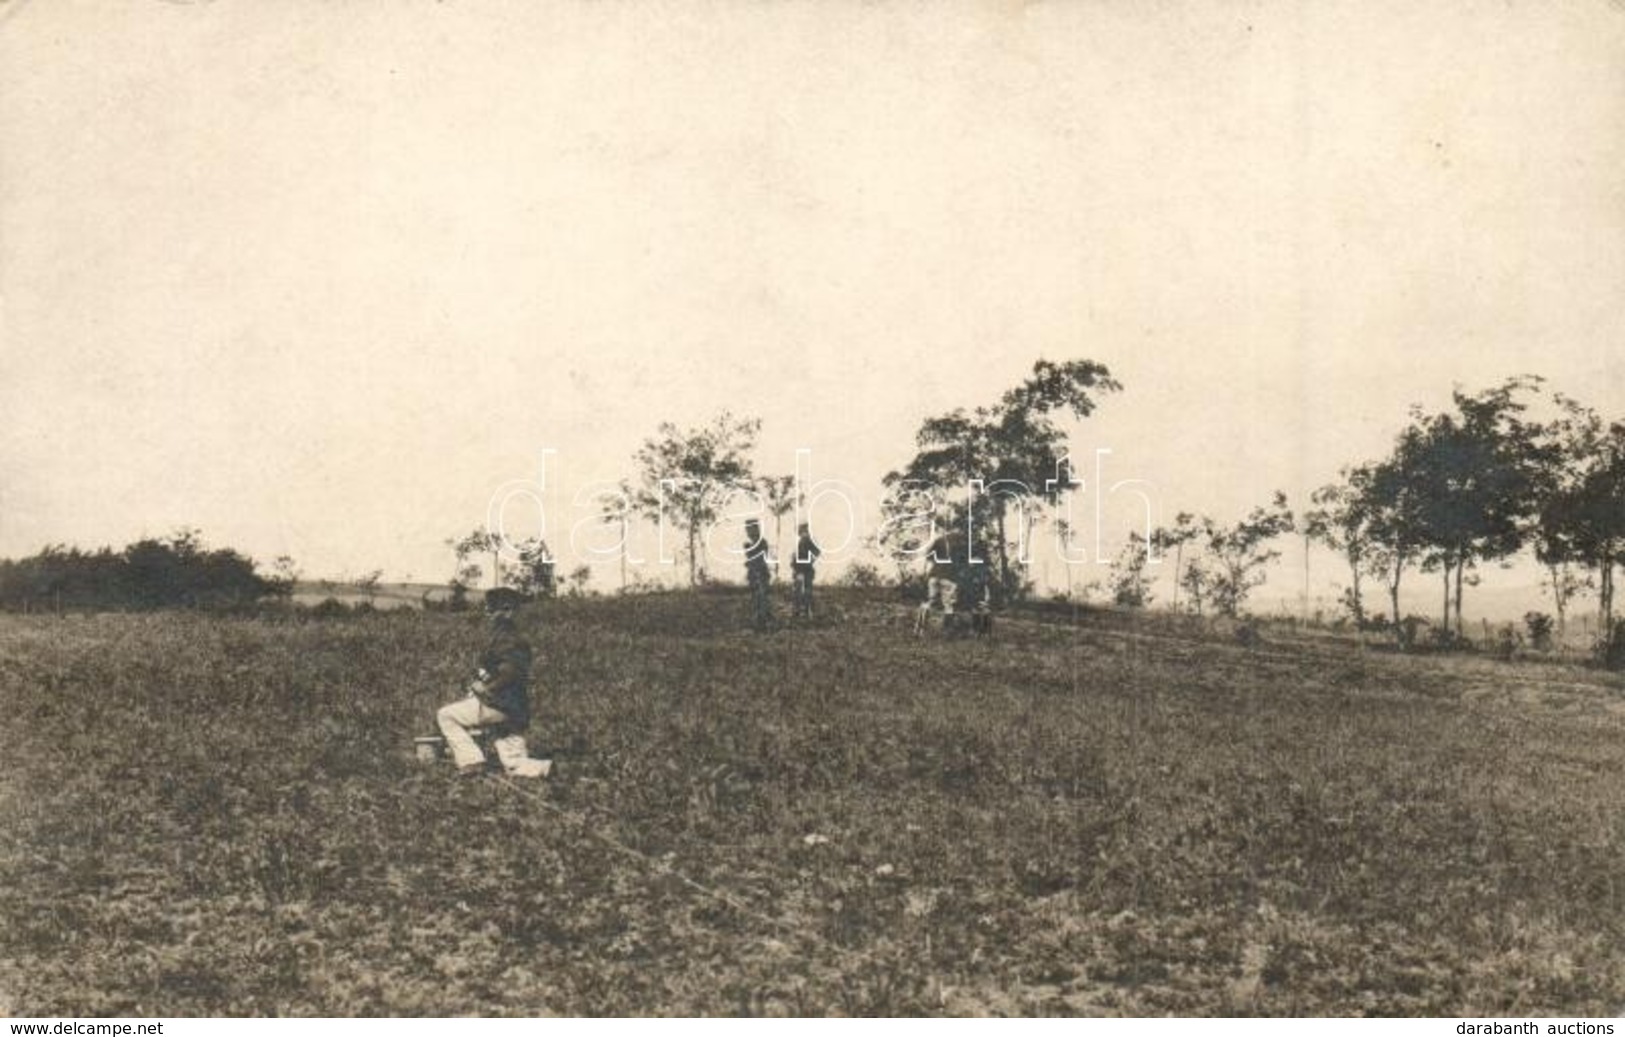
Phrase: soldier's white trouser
{"type": "Point", "coordinates": [457, 719]}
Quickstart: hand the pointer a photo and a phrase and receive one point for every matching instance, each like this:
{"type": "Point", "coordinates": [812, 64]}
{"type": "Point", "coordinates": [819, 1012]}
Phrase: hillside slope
{"type": "Point", "coordinates": [224, 817]}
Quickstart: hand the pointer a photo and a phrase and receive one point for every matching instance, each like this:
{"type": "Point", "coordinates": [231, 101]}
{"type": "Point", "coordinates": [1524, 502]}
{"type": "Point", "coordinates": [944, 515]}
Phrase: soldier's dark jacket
{"type": "Point", "coordinates": [756, 567]}
{"type": "Point", "coordinates": [507, 659]}
{"type": "Point", "coordinates": [807, 554]}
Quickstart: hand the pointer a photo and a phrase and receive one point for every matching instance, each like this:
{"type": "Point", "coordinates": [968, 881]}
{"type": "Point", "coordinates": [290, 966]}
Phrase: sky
{"type": "Point", "coordinates": [320, 279]}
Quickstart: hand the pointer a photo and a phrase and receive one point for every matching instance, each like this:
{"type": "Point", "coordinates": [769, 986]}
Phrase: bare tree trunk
{"type": "Point", "coordinates": [1460, 565]}
{"type": "Point", "coordinates": [778, 540]}
{"type": "Point", "coordinates": [1605, 597]}
{"type": "Point", "coordinates": [1004, 554]}
{"type": "Point", "coordinates": [1556, 576]}
{"type": "Point", "coordinates": [1446, 619]}
{"type": "Point", "coordinates": [1393, 586]}
{"type": "Point", "coordinates": [1029, 519]}
{"type": "Point", "coordinates": [1305, 616]}
{"type": "Point", "coordinates": [1179, 549]}
{"type": "Point", "coordinates": [1358, 603]}
{"type": "Point", "coordinates": [1611, 594]}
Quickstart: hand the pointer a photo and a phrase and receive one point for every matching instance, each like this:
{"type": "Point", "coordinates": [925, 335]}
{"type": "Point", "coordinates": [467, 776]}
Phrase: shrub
{"type": "Point", "coordinates": [1506, 644]}
{"type": "Point", "coordinates": [329, 608]}
{"type": "Point", "coordinates": [1611, 652]}
{"type": "Point", "coordinates": [1540, 627]}
{"type": "Point", "coordinates": [179, 572]}
{"type": "Point", "coordinates": [1448, 640]}
{"type": "Point", "coordinates": [861, 574]}
{"type": "Point", "coordinates": [1410, 630]}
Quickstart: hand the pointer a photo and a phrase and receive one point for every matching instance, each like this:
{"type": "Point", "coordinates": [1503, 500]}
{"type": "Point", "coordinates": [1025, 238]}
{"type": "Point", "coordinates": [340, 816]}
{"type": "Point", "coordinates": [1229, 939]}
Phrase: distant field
{"type": "Point", "coordinates": [387, 596]}
{"type": "Point", "coordinates": [1089, 814]}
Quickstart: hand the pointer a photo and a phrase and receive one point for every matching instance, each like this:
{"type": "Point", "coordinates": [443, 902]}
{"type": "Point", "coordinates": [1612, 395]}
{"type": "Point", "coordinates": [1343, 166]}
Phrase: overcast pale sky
{"type": "Point", "coordinates": [318, 278]}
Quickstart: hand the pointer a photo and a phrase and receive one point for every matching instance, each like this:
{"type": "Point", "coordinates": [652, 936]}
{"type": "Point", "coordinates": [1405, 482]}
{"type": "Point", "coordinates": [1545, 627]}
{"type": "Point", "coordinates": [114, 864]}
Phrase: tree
{"type": "Point", "coordinates": [465, 574]}
{"type": "Point", "coordinates": [1013, 449]}
{"type": "Point", "coordinates": [151, 573]}
{"type": "Point", "coordinates": [1065, 533]}
{"type": "Point", "coordinates": [1599, 515]}
{"type": "Point", "coordinates": [1581, 514]}
{"type": "Point", "coordinates": [616, 511]}
{"type": "Point", "coordinates": [181, 571]}
{"type": "Point", "coordinates": [1557, 533]}
{"type": "Point", "coordinates": [368, 584]}
{"type": "Point", "coordinates": [1477, 473]}
{"type": "Point", "coordinates": [533, 573]}
{"type": "Point", "coordinates": [907, 516]}
{"type": "Point", "coordinates": [1342, 518]}
{"type": "Point", "coordinates": [684, 475]}
{"type": "Point", "coordinates": [1394, 496]}
{"type": "Point", "coordinates": [1129, 585]}
{"type": "Point", "coordinates": [779, 492]}
{"type": "Point", "coordinates": [1238, 554]}
{"type": "Point", "coordinates": [1197, 583]}
{"type": "Point", "coordinates": [579, 577]}
{"type": "Point", "coordinates": [1175, 537]}
{"type": "Point", "coordinates": [286, 576]}
{"type": "Point", "coordinates": [477, 542]}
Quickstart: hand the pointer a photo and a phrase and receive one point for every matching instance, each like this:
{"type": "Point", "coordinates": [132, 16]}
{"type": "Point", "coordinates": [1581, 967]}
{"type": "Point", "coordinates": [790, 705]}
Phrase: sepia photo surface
{"type": "Point", "coordinates": [811, 509]}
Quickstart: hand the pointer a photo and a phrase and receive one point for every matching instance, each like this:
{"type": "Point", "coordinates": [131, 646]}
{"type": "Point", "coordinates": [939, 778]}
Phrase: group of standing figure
{"type": "Point", "coordinates": [759, 574]}
{"type": "Point", "coordinates": [958, 581]}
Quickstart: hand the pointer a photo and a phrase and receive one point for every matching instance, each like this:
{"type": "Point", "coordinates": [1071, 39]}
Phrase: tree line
{"type": "Point", "coordinates": [1477, 483]}
{"type": "Point", "coordinates": [994, 471]}
{"type": "Point", "coordinates": [691, 479]}
{"type": "Point", "coordinates": [1498, 474]}
{"type": "Point", "coordinates": [178, 571]}
{"type": "Point", "coordinates": [1482, 481]}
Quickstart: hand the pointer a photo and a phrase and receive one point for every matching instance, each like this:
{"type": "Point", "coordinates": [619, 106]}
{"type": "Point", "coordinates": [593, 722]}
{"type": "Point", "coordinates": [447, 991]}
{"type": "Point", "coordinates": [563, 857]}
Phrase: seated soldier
{"type": "Point", "coordinates": [498, 700]}
{"type": "Point", "coordinates": [942, 561]}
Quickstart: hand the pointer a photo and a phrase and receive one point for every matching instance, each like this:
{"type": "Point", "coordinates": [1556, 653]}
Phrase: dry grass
{"type": "Point", "coordinates": [223, 817]}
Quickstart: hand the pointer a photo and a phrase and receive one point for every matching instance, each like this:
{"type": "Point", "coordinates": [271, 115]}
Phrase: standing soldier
{"type": "Point", "coordinates": [498, 700]}
{"type": "Point", "coordinates": [801, 571]}
{"type": "Point", "coordinates": [975, 597]}
{"type": "Point", "coordinates": [759, 574]}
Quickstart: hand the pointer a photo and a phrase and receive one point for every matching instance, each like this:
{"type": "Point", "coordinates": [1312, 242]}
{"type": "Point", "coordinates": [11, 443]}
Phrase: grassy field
{"type": "Point", "coordinates": [1090, 814]}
